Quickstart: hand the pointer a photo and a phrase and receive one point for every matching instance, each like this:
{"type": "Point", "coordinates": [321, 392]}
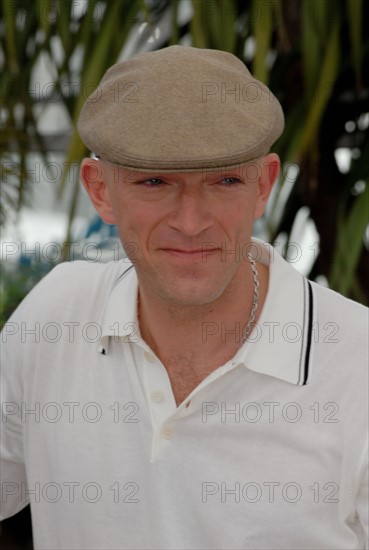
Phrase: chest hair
{"type": "Point", "coordinates": [185, 373]}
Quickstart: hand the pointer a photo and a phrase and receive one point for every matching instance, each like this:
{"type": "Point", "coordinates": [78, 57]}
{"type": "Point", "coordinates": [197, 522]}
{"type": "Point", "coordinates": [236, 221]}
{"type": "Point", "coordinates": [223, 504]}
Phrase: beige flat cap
{"type": "Point", "coordinates": [180, 109]}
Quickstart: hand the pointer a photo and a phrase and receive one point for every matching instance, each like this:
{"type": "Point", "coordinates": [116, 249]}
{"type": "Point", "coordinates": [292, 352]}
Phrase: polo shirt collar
{"type": "Point", "coordinates": [280, 345]}
{"type": "Point", "coordinates": [120, 315]}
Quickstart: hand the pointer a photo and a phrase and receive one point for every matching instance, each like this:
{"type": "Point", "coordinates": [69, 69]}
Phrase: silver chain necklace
{"type": "Point", "coordinates": [255, 301]}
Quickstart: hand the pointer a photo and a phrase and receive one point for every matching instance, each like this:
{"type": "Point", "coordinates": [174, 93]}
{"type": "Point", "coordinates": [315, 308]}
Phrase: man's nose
{"type": "Point", "coordinates": [191, 213]}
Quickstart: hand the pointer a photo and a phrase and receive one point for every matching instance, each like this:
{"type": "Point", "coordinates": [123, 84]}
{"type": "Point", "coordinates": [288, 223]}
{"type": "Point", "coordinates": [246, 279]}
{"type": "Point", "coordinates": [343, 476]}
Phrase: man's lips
{"type": "Point", "coordinates": [193, 252]}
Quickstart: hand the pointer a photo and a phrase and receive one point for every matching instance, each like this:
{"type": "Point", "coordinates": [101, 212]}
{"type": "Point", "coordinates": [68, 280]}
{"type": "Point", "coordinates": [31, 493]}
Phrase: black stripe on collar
{"type": "Point", "coordinates": [307, 334]}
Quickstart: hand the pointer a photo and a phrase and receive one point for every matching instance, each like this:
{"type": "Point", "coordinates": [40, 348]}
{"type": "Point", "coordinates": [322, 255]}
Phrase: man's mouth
{"type": "Point", "coordinates": [190, 252]}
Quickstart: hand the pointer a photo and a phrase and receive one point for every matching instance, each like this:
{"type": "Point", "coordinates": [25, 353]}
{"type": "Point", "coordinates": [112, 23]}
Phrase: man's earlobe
{"type": "Point", "coordinates": [93, 178]}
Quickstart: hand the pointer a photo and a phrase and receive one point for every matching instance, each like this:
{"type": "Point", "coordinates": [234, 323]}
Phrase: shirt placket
{"type": "Point", "coordinates": [160, 401]}
{"type": "Point", "coordinates": [160, 398]}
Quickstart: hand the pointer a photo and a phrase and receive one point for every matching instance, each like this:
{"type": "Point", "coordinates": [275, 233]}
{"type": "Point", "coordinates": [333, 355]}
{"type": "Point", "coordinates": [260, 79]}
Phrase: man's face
{"type": "Point", "coordinates": [187, 234]}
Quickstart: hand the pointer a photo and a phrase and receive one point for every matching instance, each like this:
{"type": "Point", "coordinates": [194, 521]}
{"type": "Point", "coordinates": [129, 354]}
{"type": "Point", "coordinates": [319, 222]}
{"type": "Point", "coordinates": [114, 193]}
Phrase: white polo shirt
{"type": "Point", "coordinates": [269, 451]}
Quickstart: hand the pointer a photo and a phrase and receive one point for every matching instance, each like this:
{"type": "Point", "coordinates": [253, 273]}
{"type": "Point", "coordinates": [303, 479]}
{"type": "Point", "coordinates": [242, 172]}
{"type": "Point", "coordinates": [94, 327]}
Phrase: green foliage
{"type": "Point", "coordinates": [350, 230]}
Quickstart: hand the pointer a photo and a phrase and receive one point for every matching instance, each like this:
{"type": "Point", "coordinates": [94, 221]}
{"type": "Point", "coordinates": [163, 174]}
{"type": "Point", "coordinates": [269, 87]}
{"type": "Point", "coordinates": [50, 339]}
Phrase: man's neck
{"type": "Point", "coordinates": [210, 334]}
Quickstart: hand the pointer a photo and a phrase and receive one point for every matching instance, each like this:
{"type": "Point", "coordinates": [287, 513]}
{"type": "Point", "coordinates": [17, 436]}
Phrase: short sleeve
{"type": "Point", "coordinates": [12, 461]}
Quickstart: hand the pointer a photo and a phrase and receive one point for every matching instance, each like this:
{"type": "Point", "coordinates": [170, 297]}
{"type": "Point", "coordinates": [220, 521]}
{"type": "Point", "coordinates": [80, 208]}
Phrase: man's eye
{"type": "Point", "coordinates": [230, 180]}
{"type": "Point", "coordinates": [152, 182]}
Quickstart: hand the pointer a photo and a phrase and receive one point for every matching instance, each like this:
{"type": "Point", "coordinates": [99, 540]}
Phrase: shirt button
{"type": "Point", "coordinates": [149, 357]}
{"type": "Point", "coordinates": [157, 396]}
{"type": "Point", "coordinates": [167, 432]}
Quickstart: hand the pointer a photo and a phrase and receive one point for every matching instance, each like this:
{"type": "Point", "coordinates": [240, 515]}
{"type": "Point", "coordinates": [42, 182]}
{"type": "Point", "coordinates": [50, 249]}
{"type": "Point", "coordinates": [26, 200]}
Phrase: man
{"type": "Point", "coordinates": [204, 394]}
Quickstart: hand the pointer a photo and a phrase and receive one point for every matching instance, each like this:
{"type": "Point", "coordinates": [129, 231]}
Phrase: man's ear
{"type": "Point", "coordinates": [270, 166]}
{"type": "Point", "coordinates": [94, 179]}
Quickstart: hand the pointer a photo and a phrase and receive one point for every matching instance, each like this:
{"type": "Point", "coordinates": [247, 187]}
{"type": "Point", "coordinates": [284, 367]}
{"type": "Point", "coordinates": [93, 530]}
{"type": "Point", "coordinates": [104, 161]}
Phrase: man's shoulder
{"type": "Point", "coordinates": [341, 332]}
{"type": "Point", "coordinates": [72, 287]}
{"type": "Point", "coordinates": [333, 306]}
{"type": "Point", "coordinates": [84, 273]}
{"type": "Point", "coordinates": [83, 276]}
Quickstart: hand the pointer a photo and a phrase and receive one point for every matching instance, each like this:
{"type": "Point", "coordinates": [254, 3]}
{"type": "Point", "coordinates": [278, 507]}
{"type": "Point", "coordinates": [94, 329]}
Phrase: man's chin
{"type": "Point", "coordinates": [188, 286]}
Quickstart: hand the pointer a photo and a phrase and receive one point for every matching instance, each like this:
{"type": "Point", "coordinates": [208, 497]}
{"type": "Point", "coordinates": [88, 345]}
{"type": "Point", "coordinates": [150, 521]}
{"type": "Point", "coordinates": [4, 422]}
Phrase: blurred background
{"type": "Point", "coordinates": [313, 54]}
